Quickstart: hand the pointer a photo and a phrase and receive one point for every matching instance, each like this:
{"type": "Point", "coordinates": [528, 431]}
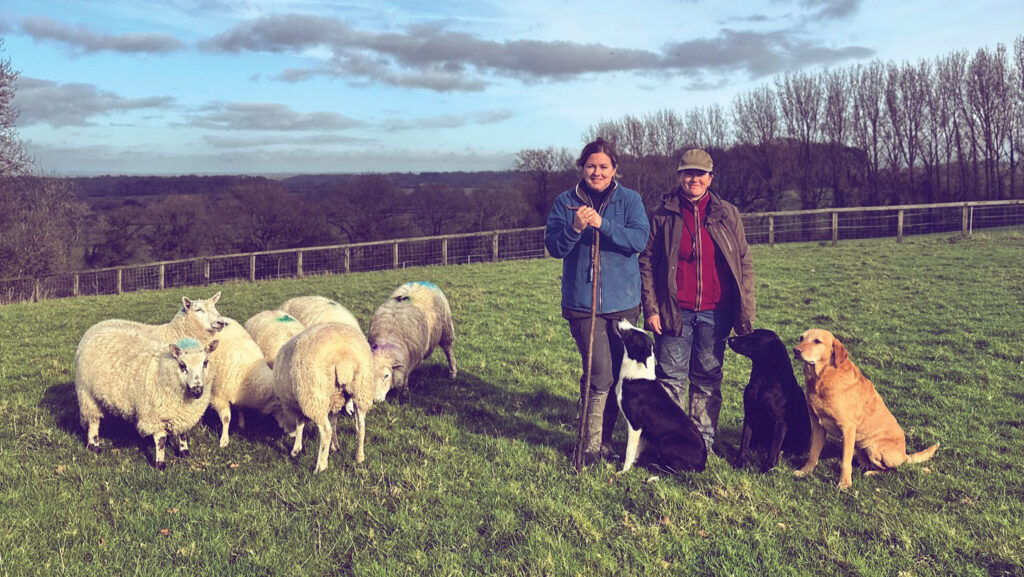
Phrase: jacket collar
{"type": "Point", "coordinates": [583, 197]}
{"type": "Point", "coordinates": [713, 213]}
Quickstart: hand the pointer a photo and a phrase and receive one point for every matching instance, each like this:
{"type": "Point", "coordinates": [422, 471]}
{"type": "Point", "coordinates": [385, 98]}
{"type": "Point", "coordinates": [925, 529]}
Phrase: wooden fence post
{"type": "Point", "coordinates": [494, 247]}
{"type": "Point", "coordinates": [771, 230]}
{"type": "Point", "coordinates": [964, 231]}
{"type": "Point", "coordinates": [835, 228]}
{"type": "Point", "coordinates": [899, 226]}
{"type": "Point", "coordinates": [444, 251]}
{"type": "Point", "coordinates": [394, 257]}
{"type": "Point", "coordinates": [119, 277]}
{"type": "Point", "coordinates": [160, 277]}
{"type": "Point", "coordinates": [348, 260]}
{"type": "Point", "coordinates": [298, 265]}
{"type": "Point", "coordinates": [252, 268]}
{"type": "Point", "coordinates": [74, 286]}
{"type": "Point", "coordinates": [206, 271]}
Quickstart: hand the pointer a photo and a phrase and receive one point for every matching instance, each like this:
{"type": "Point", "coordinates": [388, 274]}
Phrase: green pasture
{"type": "Point", "coordinates": [472, 477]}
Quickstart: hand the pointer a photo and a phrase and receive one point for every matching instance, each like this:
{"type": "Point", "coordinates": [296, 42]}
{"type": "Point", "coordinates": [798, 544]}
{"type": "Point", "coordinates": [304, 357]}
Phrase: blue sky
{"type": "Point", "coordinates": [302, 86]}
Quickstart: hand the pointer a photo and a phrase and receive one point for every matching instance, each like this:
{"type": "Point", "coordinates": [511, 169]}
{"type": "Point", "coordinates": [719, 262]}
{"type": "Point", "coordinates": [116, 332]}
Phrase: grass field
{"type": "Point", "coordinates": [472, 476]}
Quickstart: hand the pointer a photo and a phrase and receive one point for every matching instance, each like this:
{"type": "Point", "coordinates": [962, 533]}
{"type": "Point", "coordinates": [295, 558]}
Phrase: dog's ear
{"type": "Point", "coordinates": [839, 355]}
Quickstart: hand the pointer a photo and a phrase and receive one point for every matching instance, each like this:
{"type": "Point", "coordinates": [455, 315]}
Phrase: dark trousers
{"type": "Point", "coordinates": [694, 358]}
{"type": "Point", "coordinates": [604, 370]}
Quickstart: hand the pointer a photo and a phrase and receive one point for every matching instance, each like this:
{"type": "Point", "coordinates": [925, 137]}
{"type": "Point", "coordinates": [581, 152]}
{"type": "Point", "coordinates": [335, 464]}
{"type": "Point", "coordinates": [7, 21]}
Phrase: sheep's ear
{"type": "Point", "coordinates": [839, 354]}
{"type": "Point", "coordinates": [175, 351]}
{"type": "Point", "coordinates": [215, 298]}
{"type": "Point", "coordinates": [187, 302]}
{"type": "Point", "coordinates": [212, 346]}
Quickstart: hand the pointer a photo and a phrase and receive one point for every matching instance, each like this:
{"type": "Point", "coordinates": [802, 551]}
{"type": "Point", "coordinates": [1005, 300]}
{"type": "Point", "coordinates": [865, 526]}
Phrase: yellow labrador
{"type": "Point", "coordinates": [843, 402]}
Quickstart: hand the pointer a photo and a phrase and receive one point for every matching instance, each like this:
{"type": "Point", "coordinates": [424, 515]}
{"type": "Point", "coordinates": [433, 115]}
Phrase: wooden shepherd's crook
{"type": "Point", "coordinates": [595, 264]}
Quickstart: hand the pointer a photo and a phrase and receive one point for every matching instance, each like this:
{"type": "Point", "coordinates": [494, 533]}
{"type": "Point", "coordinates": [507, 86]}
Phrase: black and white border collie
{"type": "Point", "coordinates": [658, 427]}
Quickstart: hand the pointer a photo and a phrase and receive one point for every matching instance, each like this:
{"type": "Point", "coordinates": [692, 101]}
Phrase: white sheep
{"type": "Point", "coordinates": [311, 310]}
{"type": "Point", "coordinates": [405, 330]}
{"type": "Point", "coordinates": [158, 386]}
{"type": "Point", "coordinates": [271, 330]}
{"type": "Point", "coordinates": [316, 373]}
{"type": "Point", "coordinates": [239, 377]}
{"type": "Point", "coordinates": [197, 319]}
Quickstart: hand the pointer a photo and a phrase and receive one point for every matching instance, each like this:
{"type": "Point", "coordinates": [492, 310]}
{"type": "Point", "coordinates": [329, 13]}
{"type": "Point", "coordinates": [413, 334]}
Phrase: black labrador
{"type": "Point", "coordinates": [774, 406]}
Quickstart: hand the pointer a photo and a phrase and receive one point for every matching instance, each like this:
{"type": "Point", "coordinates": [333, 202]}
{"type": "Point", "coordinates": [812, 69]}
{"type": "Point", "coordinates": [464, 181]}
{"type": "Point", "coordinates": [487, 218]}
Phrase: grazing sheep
{"type": "Point", "coordinates": [159, 387]}
{"type": "Point", "coordinates": [240, 377]}
{"type": "Point", "coordinates": [311, 310]}
{"type": "Point", "coordinates": [406, 328]}
{"type": "Point", "coordinates": [197, 319]}
{"type": "Point", "coordinates": [271, 330]}
{"type": "Point", "coordinates": [316, 373]}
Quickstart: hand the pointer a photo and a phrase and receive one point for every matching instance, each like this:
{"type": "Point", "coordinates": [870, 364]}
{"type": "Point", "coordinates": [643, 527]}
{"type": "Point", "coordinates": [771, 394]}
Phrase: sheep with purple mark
{"type": "Point", "coordinates": [407, 327]}
{"type": "Point", "coordinates": [158, 386]}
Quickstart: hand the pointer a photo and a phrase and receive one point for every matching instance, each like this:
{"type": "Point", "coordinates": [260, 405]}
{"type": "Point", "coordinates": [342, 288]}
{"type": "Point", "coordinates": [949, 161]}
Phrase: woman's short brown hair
{"type": "Point", "coordinates": [599, 145]}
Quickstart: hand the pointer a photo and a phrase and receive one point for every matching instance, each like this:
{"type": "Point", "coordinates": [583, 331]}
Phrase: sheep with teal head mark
{"type": "Point", "coordinates": [406, 328]}
{"type": "Point", "coordinates": [160, 387]}
{"type": "Point", "coordinates": [315, 374]}
{"type": "Point", "coordinates": [311, 310]}
{"type": "Point", "coordinates": [271, 330]}
{"type": "Point", "coordinates": [240, 377]}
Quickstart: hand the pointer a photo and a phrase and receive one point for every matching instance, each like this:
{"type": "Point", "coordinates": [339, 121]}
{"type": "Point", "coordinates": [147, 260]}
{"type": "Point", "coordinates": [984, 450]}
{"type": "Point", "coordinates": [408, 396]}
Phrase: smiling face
{"type": "Point", "coordinates": [598, 171]}
{"type": "Point", "coordinates": [694, 182]}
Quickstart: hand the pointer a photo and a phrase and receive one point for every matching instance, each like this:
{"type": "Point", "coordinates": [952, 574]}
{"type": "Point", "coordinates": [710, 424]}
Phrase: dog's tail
{"type": "Point", "coordinates": [922, 456]}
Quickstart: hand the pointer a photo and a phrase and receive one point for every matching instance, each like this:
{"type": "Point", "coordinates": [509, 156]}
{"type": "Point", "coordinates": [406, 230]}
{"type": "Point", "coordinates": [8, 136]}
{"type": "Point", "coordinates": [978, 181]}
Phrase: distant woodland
{"type": "Point", "coordinates": [942, 130]}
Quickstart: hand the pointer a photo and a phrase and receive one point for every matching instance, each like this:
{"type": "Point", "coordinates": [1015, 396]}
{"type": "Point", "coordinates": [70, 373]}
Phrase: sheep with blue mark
{"type": "Point", "coordinates": [271, 330]}
{"type": "Point", "coordinates": [160, 387]}
{"type": "Point", "coordinates": [407, 327]}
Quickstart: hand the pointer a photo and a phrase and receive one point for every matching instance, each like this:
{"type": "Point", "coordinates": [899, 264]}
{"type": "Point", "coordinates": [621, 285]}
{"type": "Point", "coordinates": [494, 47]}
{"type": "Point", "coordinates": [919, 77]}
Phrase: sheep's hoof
{"type": "Point", "coordinates": [452, 374]}
{"type": "Point", "coordinates": [160, 465]}
{"type": "Point", "coordinates": [95, 448]}
{"type": "Point", "coordinates": [295, 452]}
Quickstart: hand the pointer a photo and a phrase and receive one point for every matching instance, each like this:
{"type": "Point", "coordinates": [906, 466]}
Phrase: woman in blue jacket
{"type": "Point", "coordinates": [598, 205]}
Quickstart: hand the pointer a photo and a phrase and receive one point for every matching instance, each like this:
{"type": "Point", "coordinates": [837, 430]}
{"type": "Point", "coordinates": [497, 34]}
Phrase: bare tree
{"type": "Point", "coordinates": [13, 158]}
{"type": "Point", "coordinates": [42, 223]}
{"type": "Point", "coordinates": [906, 90]}
{"type": "Point", "coordinates": [834, 127]}
{"type": "Point", "coordinates": [987, 97]}
{"type": "Point", "coordinates": [800, 97]}
{"type": "Point", "coordinates": [868, 122]}
{"type": "Point", "coordinates": [546, 172]}
{"type": "Point", "coordinates": [755, 118]}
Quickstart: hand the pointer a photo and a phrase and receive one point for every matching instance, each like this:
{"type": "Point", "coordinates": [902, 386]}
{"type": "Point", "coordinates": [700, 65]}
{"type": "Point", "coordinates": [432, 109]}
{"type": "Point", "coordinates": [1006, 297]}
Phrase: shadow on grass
{"type": "Point", "coordinates": [115, 433]}
{"type": "Point", "coordinates": [539, 418]}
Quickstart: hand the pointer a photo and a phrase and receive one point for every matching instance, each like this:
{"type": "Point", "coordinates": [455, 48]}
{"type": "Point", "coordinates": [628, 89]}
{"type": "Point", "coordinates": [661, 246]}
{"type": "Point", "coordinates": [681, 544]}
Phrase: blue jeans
{"type": "Point", "coordinates": [696, 355]}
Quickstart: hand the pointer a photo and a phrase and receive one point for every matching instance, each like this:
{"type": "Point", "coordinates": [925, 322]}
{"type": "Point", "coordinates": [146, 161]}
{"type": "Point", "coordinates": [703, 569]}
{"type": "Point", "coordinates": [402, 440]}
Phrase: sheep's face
{"type": "Point", "coordinates": [192, 366]}
{"type": "Point", "coordinates": [205, 312]}
{"type": "Point", "coordinates": [388, 370]}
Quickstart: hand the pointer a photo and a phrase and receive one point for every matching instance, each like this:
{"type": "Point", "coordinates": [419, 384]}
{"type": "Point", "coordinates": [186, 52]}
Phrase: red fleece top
{"type": "Point", "coordinates": [702, 273]}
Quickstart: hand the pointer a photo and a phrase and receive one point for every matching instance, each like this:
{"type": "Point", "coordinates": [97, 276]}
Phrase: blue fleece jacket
{"type": "Point", "coordinates": [624, 233]}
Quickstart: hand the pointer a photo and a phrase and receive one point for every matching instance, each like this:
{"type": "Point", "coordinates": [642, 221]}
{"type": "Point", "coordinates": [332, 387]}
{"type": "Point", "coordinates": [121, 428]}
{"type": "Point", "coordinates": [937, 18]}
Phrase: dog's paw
{"type": "Point", "coordinates": [799, 473]}
{"type": "Point", "coordinates": [844, 484]}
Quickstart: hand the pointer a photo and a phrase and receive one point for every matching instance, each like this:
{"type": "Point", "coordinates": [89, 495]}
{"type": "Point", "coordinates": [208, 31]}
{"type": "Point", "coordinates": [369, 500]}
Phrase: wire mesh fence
{"type": "Point", "coordinates": [824, 225]}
